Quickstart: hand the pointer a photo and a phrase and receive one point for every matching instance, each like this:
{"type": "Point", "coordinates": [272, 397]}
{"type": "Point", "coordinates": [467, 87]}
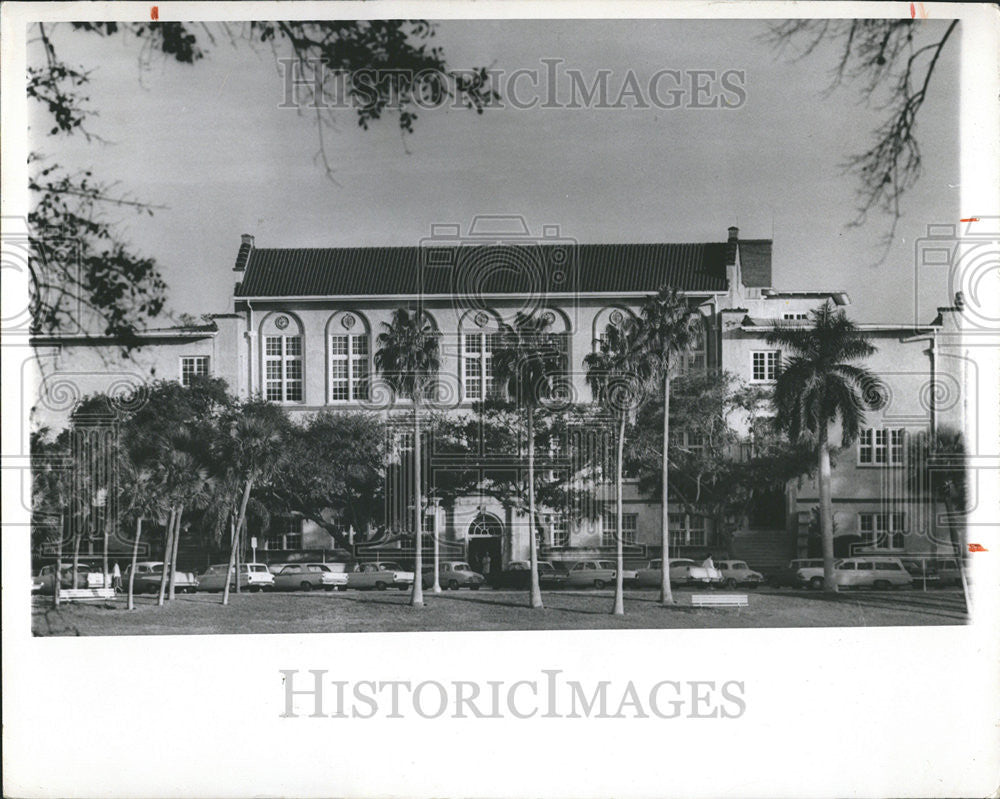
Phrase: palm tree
{"type": "Point", "coordinates": [669, 328]}
{"type": "Point", "coordinates": [143, 498]}
{"type": "Point", "coordinates": [817, 385]}
{"type": "Point", "coordinates": [527, 362]}
{"type": "Point", "coordinates": [408, 358]}
{"type": "Point", "coordinates": [526, 365]}
{"type": "Point", "coordinates": [618, 374]}
{"type": "Point", "coordinates": [252, 448]}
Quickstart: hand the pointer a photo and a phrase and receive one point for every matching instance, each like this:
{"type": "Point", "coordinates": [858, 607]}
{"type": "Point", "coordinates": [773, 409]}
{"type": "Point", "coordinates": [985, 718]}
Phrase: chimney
{"type": "Point", "coordinates": [243, 256]}
{"type": "Point", "coordinates": [734, 233]}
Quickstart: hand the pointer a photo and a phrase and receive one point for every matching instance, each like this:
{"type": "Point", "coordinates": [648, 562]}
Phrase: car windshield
{"type": "Point", "coordinates": [546, 567]}
{"type": "Point", "coordinates": [462, 567]}
{"type": "Point", "coordinates": [258, 567]}
{"type": "Point", "coordinates": [738, 565]}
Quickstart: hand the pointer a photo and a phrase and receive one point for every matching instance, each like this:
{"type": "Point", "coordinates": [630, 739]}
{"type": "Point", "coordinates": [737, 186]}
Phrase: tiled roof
{"type": "Point", "coordinates": [488, 269]}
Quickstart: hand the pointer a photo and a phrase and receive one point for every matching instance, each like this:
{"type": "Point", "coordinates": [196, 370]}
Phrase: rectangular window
{"type": "Point", "coordinates": [193, 366]}
{"type": "Point", "coordinates": [609, 531]}
{"type": "Point", "coordinates": [283, 368]}
{"type": "Point", "coordinates": [695, 358]}
{"type": "Point", "coordinates": [349, 367]}
{"type": "Point", "coordinates": [560, 533]}
{"type": "Point", "coordinates": [882, 530]}
{"type": "Point", "coordinates": [797, 317]}
{"type": "Point", "coordinates": [765, 366]}
{"type": "Point", "coordinates": [687, 530]}
{"type": "Point", "coordinates": [880, 446]}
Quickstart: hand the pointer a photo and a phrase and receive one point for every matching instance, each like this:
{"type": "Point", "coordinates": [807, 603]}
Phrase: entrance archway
{"type": "Point", "coordinates": [485, 538]}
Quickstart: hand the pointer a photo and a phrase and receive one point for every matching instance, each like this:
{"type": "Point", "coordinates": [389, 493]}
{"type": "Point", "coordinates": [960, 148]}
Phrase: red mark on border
{"type": "Point", "coordinates": [970, 219]}
{"type": "Point", "coordinates": [977, 548]}
{"type": "Point", "coordinates": [154, 12]}
{"type": "Point", "coordinates": [913, 11]}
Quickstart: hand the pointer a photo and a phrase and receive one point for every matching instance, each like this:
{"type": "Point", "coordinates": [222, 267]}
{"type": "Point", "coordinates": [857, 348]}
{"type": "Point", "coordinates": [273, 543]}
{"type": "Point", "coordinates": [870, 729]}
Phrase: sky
{"type": "Point", "coordinates": [210, 143]}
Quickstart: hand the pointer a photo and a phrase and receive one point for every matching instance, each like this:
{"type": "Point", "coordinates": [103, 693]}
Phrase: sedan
{"type": "Point", "coordinates": [683, 571]}
{"type": "Point", "coordinates": [379, 576]}
{"type": "Point", "coordinates": [307, 576]}
{"type": "Point", "coordinates": [149, 573]}
{"type": "Point", "coordinates": [453, 574]}
{"type": "Point", "coordinates": [518, 575]}
{"type": "Point", "coordinates": [87, 577]}
{"type": "Point", "coordinates": [736, 572]}
{"type": "Point", "coordinates": [597, 573]}
{"type": "Point", "coordinates": [253, 576]}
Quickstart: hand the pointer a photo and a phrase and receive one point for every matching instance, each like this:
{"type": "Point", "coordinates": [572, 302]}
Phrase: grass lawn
{"type": "Point", "coordinates": [353, 611]}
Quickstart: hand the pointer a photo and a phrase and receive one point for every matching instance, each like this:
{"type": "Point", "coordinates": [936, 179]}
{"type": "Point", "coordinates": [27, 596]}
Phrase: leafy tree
{"type": "Point", "coordinates": [334, 473]}
{"type": "Point", "coordinates": [527, 364]}
{"type": "Point", "coordinates": [893, 62]}
{"type": "Point", "coordinates": [252, 444]}
{"type": "Point", "coordinates": [669, 329]}
{"type": "Point", "coordinates": [937, 468]}
{"type": "Point", "coordinates": [818, 385]}
{"type": "Point", "coordinates": [618, 374]}
{"type": "Point", "coordinates": [715, 470]}
{"type": "Point", "coordinates": [79, 261]}
{"type": "Point", "coordinates": [409, 360]}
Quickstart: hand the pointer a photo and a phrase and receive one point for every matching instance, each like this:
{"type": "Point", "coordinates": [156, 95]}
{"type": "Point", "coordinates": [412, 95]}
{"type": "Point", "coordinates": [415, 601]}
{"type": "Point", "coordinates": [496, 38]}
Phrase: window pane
{"type": "Point", "coordinates": [338, 345]}
{"type": "Point", "coordinates": [272, 345]}
{"type": "Point", "coordinates": [293, 345]}
{"type": "Point", "coordinates": [359, 345]}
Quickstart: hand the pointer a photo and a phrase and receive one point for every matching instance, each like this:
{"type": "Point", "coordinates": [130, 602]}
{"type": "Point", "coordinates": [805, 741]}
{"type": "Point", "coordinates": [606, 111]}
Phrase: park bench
{"type": "Point", "coordinates": [73, 594]}
{"type": "Point", "coordinates": [719, 600]}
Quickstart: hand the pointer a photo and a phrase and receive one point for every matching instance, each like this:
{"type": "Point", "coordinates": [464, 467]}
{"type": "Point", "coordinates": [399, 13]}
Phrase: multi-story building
{"type": "Point", "coordinates": [302, 328]}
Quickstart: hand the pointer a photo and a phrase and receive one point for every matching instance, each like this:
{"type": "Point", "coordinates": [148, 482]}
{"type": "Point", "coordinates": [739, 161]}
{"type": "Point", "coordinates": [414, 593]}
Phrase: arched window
{"type": "Point", "coordinates": [478, 332]}
{"type": "Point", "coordinates": [282, 355]}
{"type": "Point", "coordinates": [612, 315]}
{"type": "Point", "coordinates": [349, 355]}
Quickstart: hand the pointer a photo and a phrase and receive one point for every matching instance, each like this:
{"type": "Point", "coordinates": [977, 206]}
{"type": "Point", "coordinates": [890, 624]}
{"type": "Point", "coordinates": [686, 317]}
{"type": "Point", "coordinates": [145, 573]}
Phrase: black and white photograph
{"type": "Point", "coordinates": [399, 398]}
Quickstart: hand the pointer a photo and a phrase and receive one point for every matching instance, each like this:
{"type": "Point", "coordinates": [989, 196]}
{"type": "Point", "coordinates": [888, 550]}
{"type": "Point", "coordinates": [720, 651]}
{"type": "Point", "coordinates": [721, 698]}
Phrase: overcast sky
{"type": "Point", "coordinates": [210, 143]}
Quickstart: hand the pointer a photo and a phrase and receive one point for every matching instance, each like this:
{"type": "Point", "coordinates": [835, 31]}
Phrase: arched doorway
{"type": "Point", "coordinates": [485, 538]}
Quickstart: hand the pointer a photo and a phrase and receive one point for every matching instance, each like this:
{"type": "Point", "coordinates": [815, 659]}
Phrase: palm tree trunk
{"type": "Point", "coordinates": [417, 595]}
{"type": "Point", "coordinates": [58, 577]}
{"type": "Point", "coordinates": [826, 510]}
{"type": "Point", "coordinates": [76, 558]}
{"type": "Point", "coordinates": [168, 547]}
{"type": "Point", "coordinates": [104, 557]}
{"type": "Point", "coordinates": [436, 588]}
{"type": "Point", "coordinates": [536, 589]}
{"type": "Point", "coordinates": [234, 540]}
{"type": "Point", "coordinates": [171, 586]}
{"type": "Point", "coordinates": [960, 550]}
{"type": "Point", "coordinates": [135, 558]}
{"type": "Point", "coordinates": [666, 593]}
{"type": "Point", "coordinates": [619, 609]}
{"type": "Point", "coordinates": [239, 556]}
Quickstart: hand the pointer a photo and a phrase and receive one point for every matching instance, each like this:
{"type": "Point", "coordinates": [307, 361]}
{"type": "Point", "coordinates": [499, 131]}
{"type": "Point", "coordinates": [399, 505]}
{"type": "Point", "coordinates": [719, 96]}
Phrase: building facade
{"type": "Point", "coordinates": [301, 331]}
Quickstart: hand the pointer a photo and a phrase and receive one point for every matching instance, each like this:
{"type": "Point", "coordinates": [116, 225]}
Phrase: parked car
{"type": "Point", "coordinates": [923, 571]}
{"type": "Point", "coordinates": [379, 576]}
{"type": "Point", "coordinates": [453, 574]}
{"type": "Point", "coordinates": [597, 573]}
{"type": "Point", "coordinates": [948, 571]}
{"type": "Point", "coordinates": [253, 576]}
{"type": "Point", "coordinates": [148, 574]}
{"type": "Point", "coordinates": [517, 574]}
{"type": "Point", "coordinates": [794, 576]}
{"type": "Point", "coordinates": [881, 573]}
{"type": "Point", "coordinates": [307, 576]}
{"type": "Point", "coordinates": [88, 576]}
{"type": "Point", "coordinates": [683, 571]}
{"type": "Point", "coordinates": [736, 572]}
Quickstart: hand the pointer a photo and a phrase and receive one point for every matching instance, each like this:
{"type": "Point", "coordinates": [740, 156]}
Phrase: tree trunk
{"type": "Point", "coordinates": [135, 558]}
{"type": "Point", "coordinates": [436, 588]}
{"type": "Point", "coordinates": [168, 547]}
{"type": "Point", "coordinates": [619, 609]}
{"type": "Point", "coordinates": [58, 577]}
{"type": "Point", "coordinates": [76, 558]}
{"type": "Point", "coordinates": [239, 556]}
{"type": "Point", "coordinates": [826, 510]}
{"type": "Point", "coordinates": [171, 586]}
{"type": "Point", "coordinates": [417, 595]}
{"type": "Point", "coordinates": [104, 556]}
{"type": "Point", "coordinates": [234, 540]}
{"type": "Point", "coordinates": [960, 551]}
{"type": "Point", "coordinates": [666, 593]}
{"type": "Point", "coordinates": [536, 589]}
